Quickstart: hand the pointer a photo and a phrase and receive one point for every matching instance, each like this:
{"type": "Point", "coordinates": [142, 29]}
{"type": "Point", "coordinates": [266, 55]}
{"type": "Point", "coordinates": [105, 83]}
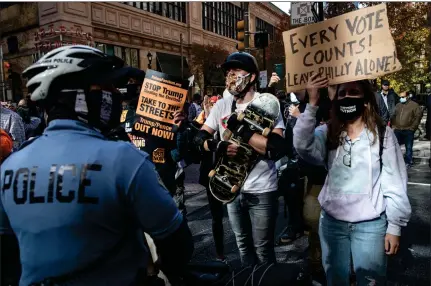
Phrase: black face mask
{"type": "Point", "coordinates": [350, 108]}
{"type": "Point", "coordinates": [104, 109]}
{"type": "Point", "coordinates": [24, 112]}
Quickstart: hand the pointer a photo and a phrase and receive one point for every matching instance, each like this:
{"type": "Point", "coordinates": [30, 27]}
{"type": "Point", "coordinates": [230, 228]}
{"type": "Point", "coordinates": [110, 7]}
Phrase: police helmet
{"type": "Point", "coordinates": [76, 82]}
{"type": "Point", "coordinates": [84, 62]}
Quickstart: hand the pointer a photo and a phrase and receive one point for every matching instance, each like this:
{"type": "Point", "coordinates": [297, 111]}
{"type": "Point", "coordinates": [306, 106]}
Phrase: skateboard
{"type": "Point", "coordinates": [230, 173]}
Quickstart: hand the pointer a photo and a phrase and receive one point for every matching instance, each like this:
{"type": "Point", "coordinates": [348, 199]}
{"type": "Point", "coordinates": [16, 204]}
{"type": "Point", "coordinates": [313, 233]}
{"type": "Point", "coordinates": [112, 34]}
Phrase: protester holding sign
{"type": "Point", "coordinates": [353, 46]}
{"type": "Point", "coordinates": [164, 153]}
{"type": "Point", "coordinates": [364, 200]}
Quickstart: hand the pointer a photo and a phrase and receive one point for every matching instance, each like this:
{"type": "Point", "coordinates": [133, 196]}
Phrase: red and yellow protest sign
{"type": "Point", "coordinates": [160, 97]}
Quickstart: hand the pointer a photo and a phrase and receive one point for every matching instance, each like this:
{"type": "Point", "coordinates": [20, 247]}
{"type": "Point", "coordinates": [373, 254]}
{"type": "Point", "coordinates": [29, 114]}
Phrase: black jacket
{"type": "Point", "coordinates": [392, 98]}
{"type": "Point", "coordinates": [383, 110]}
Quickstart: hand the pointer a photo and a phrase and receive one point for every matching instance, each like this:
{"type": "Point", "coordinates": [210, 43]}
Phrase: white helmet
{"type": "Point", "coordinates": [63, 61]}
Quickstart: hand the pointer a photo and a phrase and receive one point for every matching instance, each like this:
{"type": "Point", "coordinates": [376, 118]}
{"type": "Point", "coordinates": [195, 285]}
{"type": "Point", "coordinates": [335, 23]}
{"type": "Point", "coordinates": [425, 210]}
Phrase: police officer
{"type": "Point", "coordinates": [163, 153]}
{"type": "Point", "coordinates": [76, 201]}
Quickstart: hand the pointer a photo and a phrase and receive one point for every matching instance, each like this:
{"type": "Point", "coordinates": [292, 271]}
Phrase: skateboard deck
{"type": "Point", "coordinates": [230, 173]}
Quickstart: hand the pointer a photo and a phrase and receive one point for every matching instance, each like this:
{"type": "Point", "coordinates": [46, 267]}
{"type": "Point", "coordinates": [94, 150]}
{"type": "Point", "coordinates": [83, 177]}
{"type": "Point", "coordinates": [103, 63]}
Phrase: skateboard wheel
{"type": "Point", "coordinates": [240, 116]}
{"type": "Point", "coordinates": [212, 173]}
{"type": "Point", "coordinates": [266, 131]}
{"type": "Point", "coordinates": [227, 134]}
{"type": "Point", "coordinates": [234, 189]}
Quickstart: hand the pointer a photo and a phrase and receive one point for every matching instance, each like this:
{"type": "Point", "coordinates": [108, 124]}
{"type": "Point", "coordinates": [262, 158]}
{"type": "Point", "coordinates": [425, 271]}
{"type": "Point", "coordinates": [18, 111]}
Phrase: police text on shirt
{"type": "Point", "coordinates": [23, 192]}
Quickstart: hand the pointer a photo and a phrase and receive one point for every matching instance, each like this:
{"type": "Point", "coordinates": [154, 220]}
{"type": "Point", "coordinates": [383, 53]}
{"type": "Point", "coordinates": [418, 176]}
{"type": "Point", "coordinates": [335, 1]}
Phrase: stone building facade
{"type": "Point", "coordinates": [130, 30]}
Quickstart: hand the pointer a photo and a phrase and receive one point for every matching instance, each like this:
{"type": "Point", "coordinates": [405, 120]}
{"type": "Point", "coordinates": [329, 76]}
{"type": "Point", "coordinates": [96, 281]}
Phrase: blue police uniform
{"type": "Point", "coordinates": [71, 195]}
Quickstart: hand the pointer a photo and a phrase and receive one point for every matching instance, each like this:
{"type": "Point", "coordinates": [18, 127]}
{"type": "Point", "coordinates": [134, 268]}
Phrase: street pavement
{"type": "Point", "coordinates": [410, 267]}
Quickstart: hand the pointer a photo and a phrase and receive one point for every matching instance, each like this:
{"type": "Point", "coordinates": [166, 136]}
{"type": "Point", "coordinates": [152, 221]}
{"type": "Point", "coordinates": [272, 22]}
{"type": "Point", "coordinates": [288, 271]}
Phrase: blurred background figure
{"type": "Point", "coordinates": [405, 122]}
{"type": "Point", "coordinates": [31, 123]}
{"type": "Point", "coordinates": [12, 123]}
{"type": "Point", "coordinates": [6, 145]}
{"type": "Point", "coordinates": [389, 97]}
{"type": "Point", "coordinates": [195, 107]}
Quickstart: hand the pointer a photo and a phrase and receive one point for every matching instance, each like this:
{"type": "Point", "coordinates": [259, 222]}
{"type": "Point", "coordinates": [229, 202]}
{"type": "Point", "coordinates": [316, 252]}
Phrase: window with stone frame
{"type": "Point", "coordinates": [221, 18]}
{"type": "Point", "coordinates": [172, 10]}
{"type": "Point", "coordinates": [262, 26]}
{"type": "Point", "coordinates": [129, 55]}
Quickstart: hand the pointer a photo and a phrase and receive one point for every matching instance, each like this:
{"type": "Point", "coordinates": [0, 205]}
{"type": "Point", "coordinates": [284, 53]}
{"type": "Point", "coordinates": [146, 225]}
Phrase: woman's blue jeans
{"type": "Point", "coordinates": [363, 241]}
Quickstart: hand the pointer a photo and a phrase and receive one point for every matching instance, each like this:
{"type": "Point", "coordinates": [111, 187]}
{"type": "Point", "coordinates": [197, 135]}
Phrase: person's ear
{"type": "Point", "coordinates": [253, 77]}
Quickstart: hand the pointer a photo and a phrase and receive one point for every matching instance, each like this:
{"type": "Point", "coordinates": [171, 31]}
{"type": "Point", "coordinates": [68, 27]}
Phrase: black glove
{"type": "Point", "coordinates": [118, 134]}
{"type": "Point", "coordinates": [233, 123]}
{"type": "Point", "coordinates": [217, 146]}
{"type": "Point", "coordinates": [240, 129]}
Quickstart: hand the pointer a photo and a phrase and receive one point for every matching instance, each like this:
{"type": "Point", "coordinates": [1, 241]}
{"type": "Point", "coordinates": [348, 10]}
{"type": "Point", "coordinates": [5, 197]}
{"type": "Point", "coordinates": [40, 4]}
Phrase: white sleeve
{"type": "Point", "coordinates": [213, 119]}
{"type": "Point", "coordinates": [394, 185]}
{"type": "Point", "coordinates": [279, 123]}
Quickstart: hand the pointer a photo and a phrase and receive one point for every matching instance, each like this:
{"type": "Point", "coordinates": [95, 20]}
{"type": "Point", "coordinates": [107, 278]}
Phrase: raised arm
{"type": "Point", "coordinates": [310, 143]}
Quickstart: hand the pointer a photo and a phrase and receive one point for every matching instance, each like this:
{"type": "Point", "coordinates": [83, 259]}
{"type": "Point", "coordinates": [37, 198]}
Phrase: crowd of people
{"type": "Point", "coordinates": [83, 199]}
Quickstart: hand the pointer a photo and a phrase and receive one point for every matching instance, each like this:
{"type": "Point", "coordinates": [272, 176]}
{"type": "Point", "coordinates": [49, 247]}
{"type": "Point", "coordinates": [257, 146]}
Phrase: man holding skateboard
{"type": "Point", "coordinates": [253, 212]}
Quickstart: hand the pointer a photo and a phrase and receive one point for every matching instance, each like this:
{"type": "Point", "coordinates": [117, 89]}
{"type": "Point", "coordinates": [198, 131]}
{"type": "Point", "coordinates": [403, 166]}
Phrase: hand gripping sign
{"type": "Point", "coordinates": [353, 46]}
{"type": "Point", "coordinates": [161, 95]}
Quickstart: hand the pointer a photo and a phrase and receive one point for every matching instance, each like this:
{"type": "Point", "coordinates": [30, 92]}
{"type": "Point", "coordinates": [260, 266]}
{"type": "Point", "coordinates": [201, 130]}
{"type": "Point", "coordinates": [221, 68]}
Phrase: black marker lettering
{"type": "Point", "coordinates": [350, 26]}
{"type": "Point", "coordinates": [381, 64]}
{"type": "Point", "coordinates": [361, 44]}
{"type": "Point", "coordinates": [340, 53]}
{"type": "Point", "coordinates": [318, 57]}
{"type": "Point", "coordinates": [328, 58]}
{"type": "Point", "coordinates": [359, 70]}
{"type": "Point", "coordinates": [304, 43]}
{"type": "Point", "coordinates": [351, 46]}
{"type": "Point", "coordinates": [322, 35]}
{"type": "Point", "coordinates": [379, 19]}
{"type": "Point", "coordinates": [305, 60]}
{"type": "Point", "coordinates": [366, 67]}
{"type": "Point", "coordinates": [387, 63]}
{"type": "Point", "coordinates": [362, 25]}
{"type": "Point", "coordinates": [313, 41]}
{"type": "Point", "coordinates": [293, 44]}
{"type": "Point", "coordinates": [347, 65]}
{"type": "Point", "coordinates": [334, 30]}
